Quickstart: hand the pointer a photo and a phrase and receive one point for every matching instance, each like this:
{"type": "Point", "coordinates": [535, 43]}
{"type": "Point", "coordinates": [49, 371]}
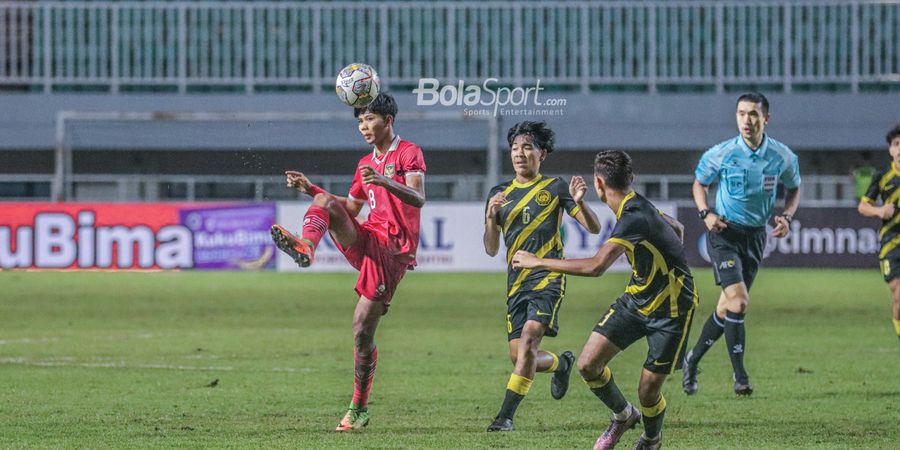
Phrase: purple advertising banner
{"type": "Point", "coordinates": [232, 237]}
{"type": "Point", "coordinates": [820, 237]}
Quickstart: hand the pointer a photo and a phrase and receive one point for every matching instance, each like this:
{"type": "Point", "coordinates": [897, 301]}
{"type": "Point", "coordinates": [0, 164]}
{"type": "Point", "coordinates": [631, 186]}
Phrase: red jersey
{"type": "Point", "coordinates": [388, 214]}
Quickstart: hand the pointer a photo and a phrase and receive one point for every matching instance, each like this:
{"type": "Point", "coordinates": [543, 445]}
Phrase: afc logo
{"type": "Point", "coordinates": [726, 264]}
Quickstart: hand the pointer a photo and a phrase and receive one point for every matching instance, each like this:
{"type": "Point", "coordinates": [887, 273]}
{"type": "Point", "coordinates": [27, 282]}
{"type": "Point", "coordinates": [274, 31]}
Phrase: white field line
{"type": "Point", "coordinates": [40, 340]}
{"type": "Point", "coordinates": [27, 341]}
{"type": "Point", "coordinates": [69, 362]}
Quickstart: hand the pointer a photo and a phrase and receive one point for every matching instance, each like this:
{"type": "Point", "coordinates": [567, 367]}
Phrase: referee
{"type": "Point", "coordinates": [748, 169]}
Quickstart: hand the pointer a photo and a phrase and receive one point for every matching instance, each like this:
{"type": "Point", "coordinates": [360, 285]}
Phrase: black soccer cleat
{"type": "Point", "coordinates": [559, 384]}
{"type": "Point", "coordinates": [689, 382]}
{"type": "Point", "coordinates": [743, 388]}
{"type": "Point", "coordinates": [647, 444]}
{"type": "Point", "coordinates": [500, 424]}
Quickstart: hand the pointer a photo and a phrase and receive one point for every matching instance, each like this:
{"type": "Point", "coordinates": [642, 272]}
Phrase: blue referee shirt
{"type": "Point", "coordinates": [747, 179]}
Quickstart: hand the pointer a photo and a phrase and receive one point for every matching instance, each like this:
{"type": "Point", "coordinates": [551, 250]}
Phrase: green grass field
{"type": "Point", "coordinates": [128, 360]}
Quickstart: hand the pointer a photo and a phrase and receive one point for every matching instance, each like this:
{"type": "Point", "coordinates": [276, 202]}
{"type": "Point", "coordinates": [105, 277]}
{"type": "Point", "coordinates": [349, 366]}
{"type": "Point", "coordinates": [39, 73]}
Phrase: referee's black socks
{"type": "Point", "coordinates": [712, 331]}
{"type": "Point", "coordinates": [735, 338]}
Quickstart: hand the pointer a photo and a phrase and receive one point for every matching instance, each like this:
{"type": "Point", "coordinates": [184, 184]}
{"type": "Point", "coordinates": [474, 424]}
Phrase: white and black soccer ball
{"type": "Point", "coordinates": [357, 85]}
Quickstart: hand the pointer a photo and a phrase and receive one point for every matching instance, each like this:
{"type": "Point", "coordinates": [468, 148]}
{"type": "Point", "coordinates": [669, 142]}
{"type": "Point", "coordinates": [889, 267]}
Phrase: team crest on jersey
{"type": "Point", "coordinates": [542, 198]}
{"type": "Point", "coordinates": [389, 170]}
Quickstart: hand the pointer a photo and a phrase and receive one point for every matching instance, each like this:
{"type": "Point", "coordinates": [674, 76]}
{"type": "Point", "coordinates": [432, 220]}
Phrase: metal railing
{"type": "Point", "coordinates": [816, 190]}
{"type": "Point", "coordinates": [252, 45]}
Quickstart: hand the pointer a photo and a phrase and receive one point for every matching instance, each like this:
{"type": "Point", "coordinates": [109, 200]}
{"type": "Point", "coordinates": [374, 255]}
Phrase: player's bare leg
{"type": "Point", "coordinates": [895, 297]}
{"type": "Point", "coordinates": [365, 321]}
{"type": "Point", "coordinates": [548, 362]}
{"type": "Point", "coordinates": [523, 374]}
{"type": "Point", "coordinates": [653, 409]}
{"type": "Point", "coordinates": [735, 305]}
{"type": "Point", "coordinates": [593, 366]}
{"type": "Point", "coordinates": [326, 214]}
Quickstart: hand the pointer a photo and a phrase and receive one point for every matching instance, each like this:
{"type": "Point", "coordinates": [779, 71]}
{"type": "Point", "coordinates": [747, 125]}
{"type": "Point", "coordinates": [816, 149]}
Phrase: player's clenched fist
{"type": "Point", "coordinates": [495, 203]}
{"type": "Point", "coordinates": [887, 211]}
{"type": "Point", "coordinates": [370, 176]}
{"type": "Point", "coordinates": [715, 223]}
{"type": "Point", "coordinates": [577, 188]}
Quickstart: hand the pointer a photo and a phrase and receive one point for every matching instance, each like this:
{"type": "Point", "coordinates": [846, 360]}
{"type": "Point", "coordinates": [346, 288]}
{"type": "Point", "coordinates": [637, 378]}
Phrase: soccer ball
{"type": "Point", "coordinates": [357, 85]}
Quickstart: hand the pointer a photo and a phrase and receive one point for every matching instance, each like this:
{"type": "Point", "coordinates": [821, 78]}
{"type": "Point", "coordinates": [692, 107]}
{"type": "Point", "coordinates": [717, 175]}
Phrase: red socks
{"type": "Point", "coordinates": [315, 224]}
{"type": "Point", "coordinates": [362, 381]}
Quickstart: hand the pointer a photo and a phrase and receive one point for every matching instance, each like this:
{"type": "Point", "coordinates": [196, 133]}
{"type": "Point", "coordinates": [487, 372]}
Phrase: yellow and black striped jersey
{"type": "Point", "coordinates": [530, 220]}
{"type": "Point", "coordinates": [885, 186]}
{"type": "Point", "coordinates": [661, 284]}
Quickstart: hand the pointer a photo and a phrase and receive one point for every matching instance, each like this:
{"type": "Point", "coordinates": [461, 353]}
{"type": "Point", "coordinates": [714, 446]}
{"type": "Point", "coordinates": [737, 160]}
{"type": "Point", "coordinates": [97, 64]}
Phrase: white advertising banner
{"type": "Point", "coordinates": [450, 239]}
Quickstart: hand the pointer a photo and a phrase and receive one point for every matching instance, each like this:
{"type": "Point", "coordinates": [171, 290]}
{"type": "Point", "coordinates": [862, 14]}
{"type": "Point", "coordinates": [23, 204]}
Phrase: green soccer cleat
{"type": "Point", "coordinates": [353, 420]}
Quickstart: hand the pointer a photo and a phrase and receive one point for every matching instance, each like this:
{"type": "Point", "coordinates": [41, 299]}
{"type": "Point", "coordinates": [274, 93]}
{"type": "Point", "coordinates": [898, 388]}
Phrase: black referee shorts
{"type": "Point", "coordinates": [736, 253]}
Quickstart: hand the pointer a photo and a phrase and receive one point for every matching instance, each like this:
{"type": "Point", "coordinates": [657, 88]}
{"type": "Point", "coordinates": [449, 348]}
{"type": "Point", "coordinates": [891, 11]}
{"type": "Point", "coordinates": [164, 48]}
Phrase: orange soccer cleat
{"type": "Point", "coordinates": [301, 250]}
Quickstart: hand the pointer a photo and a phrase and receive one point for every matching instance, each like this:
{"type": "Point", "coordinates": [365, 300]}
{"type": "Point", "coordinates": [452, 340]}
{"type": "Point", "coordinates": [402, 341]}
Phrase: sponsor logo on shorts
{"type": "Point", "coordinates": [657, 363]}
{"type": "Point", "coordinates": [541, 313]}
{"type": "Point", "coordinates": [726, 264]}
{"type": "Point", "coordinates": [543, 198]}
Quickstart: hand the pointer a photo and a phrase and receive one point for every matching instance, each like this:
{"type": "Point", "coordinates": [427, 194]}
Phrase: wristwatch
{"type": "Point", "coordinates": [788, 217]}
{"type": "Point", "coordinates": [703, 213]}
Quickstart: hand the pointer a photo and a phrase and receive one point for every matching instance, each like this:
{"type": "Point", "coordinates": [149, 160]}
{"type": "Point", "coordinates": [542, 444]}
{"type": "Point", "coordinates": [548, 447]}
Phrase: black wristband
{"type": "Point", "coordinates": [703, 213]}
{"type": "Point", "coordinates": [788, 217]}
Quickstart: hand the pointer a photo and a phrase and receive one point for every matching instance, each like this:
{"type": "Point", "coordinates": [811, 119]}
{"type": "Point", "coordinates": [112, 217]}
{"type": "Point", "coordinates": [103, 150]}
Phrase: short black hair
{"type": "Point", "coordinates": [755, 97]}
{"type": "Point", "coordinates": [893, 134]}
{"type": "Point", "coordinates": [383, 105]}
{"type": "Point", "coordinates": [614, 166]}
{"type": "Point", "coordinates": [541, 135]}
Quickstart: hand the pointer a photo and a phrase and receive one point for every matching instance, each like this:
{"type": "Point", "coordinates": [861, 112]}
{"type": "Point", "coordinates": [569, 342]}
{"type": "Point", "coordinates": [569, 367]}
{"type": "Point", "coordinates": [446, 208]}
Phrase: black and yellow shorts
{"type": "Point", "coordinates": [667, 337]}
{"type": "Point", "coordinates": [890, 266]}
{"type": "Point", "coordinates": [542, 306]}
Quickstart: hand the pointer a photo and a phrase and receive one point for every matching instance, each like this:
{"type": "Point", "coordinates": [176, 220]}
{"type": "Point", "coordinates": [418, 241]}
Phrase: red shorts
{"type": "Point", "coordinates": [380, 266]}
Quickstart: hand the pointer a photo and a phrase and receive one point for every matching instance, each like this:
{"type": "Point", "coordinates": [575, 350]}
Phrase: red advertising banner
{"type": "Point", "coordinates": [142, 236]}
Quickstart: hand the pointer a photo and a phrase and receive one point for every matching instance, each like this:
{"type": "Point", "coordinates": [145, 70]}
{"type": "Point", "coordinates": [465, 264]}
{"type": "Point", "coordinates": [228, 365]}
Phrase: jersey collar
{"type": "Point", "coordinates": [516, 184]}
{"type": "Point", "coordinates": [394, 144]}
{"type": "Point", "coordinates": [760, 152]}
{"type": "Point", "coordinates": [622, 205]}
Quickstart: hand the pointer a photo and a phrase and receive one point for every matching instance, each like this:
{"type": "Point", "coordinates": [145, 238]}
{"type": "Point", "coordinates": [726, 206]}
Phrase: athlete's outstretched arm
{"type": "Point", "coordinates": [586, 267]}
{"type": "Point", "coordinates": [299, 182]}
{"type": "Point", "coordinates": [412, 193]}
{"type": "Point", "coordinates": [585, 215]}
{"type": "Point", "coordinates": [883, 212]}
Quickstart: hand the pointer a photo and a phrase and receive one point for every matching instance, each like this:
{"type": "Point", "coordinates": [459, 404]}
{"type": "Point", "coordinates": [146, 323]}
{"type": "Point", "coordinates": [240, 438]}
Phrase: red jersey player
{"type": "Point", "coordinates": [391, 179]}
